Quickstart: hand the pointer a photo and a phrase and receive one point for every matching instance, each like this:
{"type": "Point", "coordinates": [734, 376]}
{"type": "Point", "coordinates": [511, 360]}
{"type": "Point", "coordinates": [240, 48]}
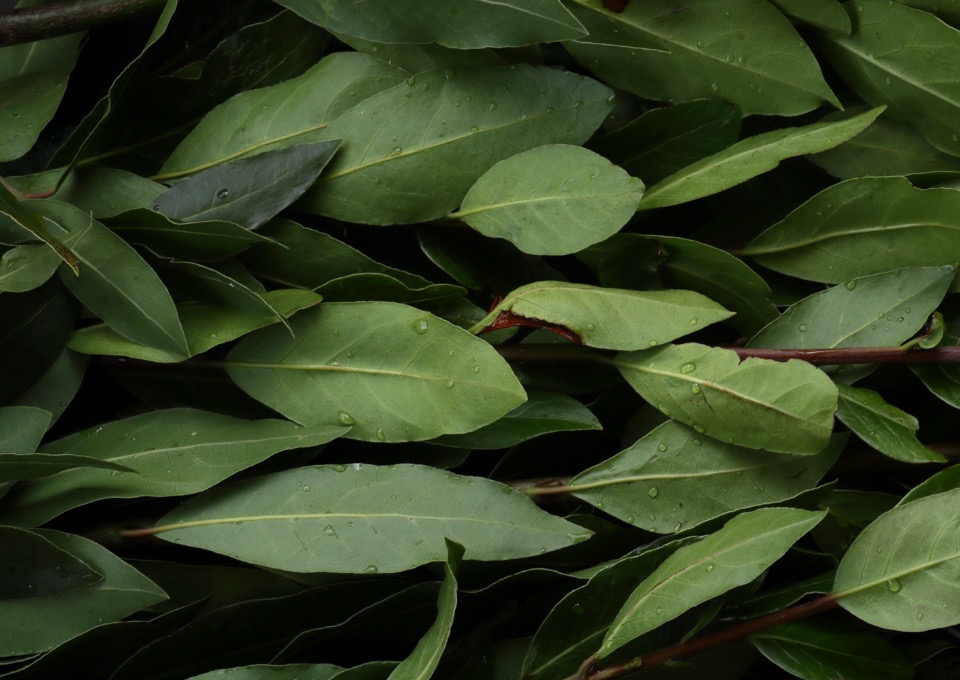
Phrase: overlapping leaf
{"type": "Point", "coordinates": [903, 571]}
{"type": "Point", "coordinates": [738, 50]}
{"type": "Point", "coordinates": [391, 372]}
{"type": "Point", "coordinates": [169, 453]}
{"type": "Point", "coordinates": [650, 484]}
{"type": "Point", "coordinates": [610, 318]}
{"type": "Point", "coordinates": [760, 404]}
{"type": "Point", "coordinates": [365, 519]}
{"type": "Point", "coordinates": [861, 227]}
{"type": "Point", "coordinates": [403, 148]}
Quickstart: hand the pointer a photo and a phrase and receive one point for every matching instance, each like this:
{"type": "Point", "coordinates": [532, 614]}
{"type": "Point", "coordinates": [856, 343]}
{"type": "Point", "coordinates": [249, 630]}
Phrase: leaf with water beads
{"type": "Point", "coordinates": [391, 372]}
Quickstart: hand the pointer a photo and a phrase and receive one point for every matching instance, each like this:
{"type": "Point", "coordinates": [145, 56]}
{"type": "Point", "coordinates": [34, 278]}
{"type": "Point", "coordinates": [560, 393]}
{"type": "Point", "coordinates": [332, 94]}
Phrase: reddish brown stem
{"type": "Point", "coordinates": [59, 18]}
{"type": "Point", "coordinates": [721, 637]}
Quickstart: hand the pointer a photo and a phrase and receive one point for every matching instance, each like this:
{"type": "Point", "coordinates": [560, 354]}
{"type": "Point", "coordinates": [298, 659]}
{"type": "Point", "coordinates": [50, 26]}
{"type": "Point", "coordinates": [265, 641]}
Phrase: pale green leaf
{"type": "Point", "coordinates": [861, 227]}
{"type": "Point", "coordinates": [609, 318]}
{"type": "Point", "coordinates": [402, 158]}
{"type": "Point", "coordinates": [281, 115]}
{"type": "Point", "coordinates": [115, 283]}
{"type": "Point", "coordinates": [543, 412]}
{"type": "Point", "coordinates": [786, 407]}
{"type": "Point", "coordinates": [423, 661]}
{"type": "Point", "coordinates": [751, 157]}
{"type": "Point", "coordinates": [650, 484]}
{"type": "Point", "coordinates": [33, 78]}
{"type": "Point", "coordinates": [903, 571]}
{"type": "Point", "coordinates": [248, 191]}
{"type": "Point", "coordinates": [205, 327]}
{"type": "Point", "coordinates": [37, 624]}
{"type": "Point", "coordinates": [882, 310]}
{"type": "Point", "coordinates": [20, 466]}
{"type": "Point", "coordinates": [816, 650]}
{"type": "Point", "coordinates": [468, 24]}
{"type": "Point", "coordinates": [893, 57]}
{"type": "Point", "coordinates": [172, 452]}
{"type": "Point", "coordinates": [741, 51]}
{"type": "Point", "coordinates": [733, 556]}
{"type": "Point", "coordinates": [884, 427]}
{"type": "Point", "coordinates": [551, 200]}
{"type": "Point", "coordinates": [365, 519]}
{"type": "Point", "coordinates": [392, 372]}
{"type": "Point", "coordinates": [22, 428]}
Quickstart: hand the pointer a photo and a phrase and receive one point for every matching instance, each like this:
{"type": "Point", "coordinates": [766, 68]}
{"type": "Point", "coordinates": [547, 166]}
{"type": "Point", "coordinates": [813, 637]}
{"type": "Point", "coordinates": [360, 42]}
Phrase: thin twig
{"type": "Point", "coordinates": [60, 18]}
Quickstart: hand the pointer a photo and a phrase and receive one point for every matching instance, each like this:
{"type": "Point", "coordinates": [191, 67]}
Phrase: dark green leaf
{"type": "Point", "coordinates": [22, 428]}
{"type": "Point", "coordinates": [848, 513]}
{"type": "Point", "coordinates": [375, 286]}
{"type": "Point", "coordinates": [470, 24]}
{"type": "Point", "coordinates": [296, 671]}
{"type": "Point", "coordinates": [170, 453]}
{"type": "Point", "coordinates": [945, 480]}
{"type": "Point", "coordinates": [26, 267]}
{"type": "Point", "coordinates": [25, 215]}
{"type": "Point", "coordinates": [403, 149]}
{"type": "Point", "coordinates": [20, 466]}
{"type": "Point", "coordinates": [828, 15]}
{"type": "Point", "coordinates": [32, 567]}
{"type": "Point", "coordinates": [342, 518]}
{"type": "Point", "coordinates": [248, 191]}
{"type": "Point", "coordinates": [55, 389]}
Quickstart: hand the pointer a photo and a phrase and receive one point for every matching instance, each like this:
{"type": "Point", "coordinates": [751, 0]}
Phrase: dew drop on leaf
{"type": "Point", "coordinates": [662, 447]}
{"type": "Point", "coordinates": [421, 326]}
{"type": "Point", "coordinates": [894, 586]}
{"type": "Point", "coordinates": [688, 368]}
{"type": "Point", "coordinates": [370, 569]}
{"type": "Point", "coordinates": [306, 487]}
{"type": "Point", "coordinates": [578, 608]}
{"type": "Point", "coordinates": [339, 468]}
{"type": "Point", "coordinates": [803, 328]}
{"type": "Point", "coordinates": [851, 285]}
{"type": "Point", "coordinates": [329, 530]}
{"type": "Point", "coordinates": [223, 194]}
{"type": "Point", "coordinates": [346, 418]}
{"type": "Point", "coordinates": [709, 567]}
{"type": "Point", "coordinates": [653, 492]}
{"type": "Point", "coordinates": [695, 389]}
{"type": "Point", "coordinates": [380, 435]}
{"type": "Point", "coordinates": [493, 106]}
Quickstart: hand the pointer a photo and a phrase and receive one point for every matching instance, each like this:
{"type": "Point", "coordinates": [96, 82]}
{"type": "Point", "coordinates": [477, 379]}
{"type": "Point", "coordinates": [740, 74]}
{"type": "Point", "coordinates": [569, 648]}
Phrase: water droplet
{"type": "Point", "coordinates": [223, 193]}
{"type": "Point", "coordinates": [653, 492]}
{"type": "Point", "coordinates": [709, 567]}
{"type": "Point", "coordinates": [156, 206]}
{"type": "Point", "coordinates": [550, 109]}
{"type": "Point", "coordinates": [591, 327]}
{"type": "Point", "coordinates": [851, 285]}
{"type": "Point", "coordinates": [493, 106]}
{"type": "Point", "coordinates": [889, 82]}
{"type": "Point", "coordinates": [879, 550]}
{"type": "Point", "coordinates": [699, 429]}
{"type": "Point", "coordinates": [449, 384]}
{"type": "Point", "coordinates": [476, 369]}
{"type": "Point", "coordinates": [907, 310]}
{"type": "Point", "coordinates": [919, 616]}
{"type": "Point", "coordinates": [803, 328]}
{"type": "Point", "coordinates": [659, 610]}
{"type": "Point", "coordinates": [396, 151]}
{"type": "Point", "coordinates": [578, 608]}
{"type": "Point", "coordinates": [693, 321]}
{"type": "Point", "coordinates": [688, 368]}
{"type": "Point", "coordinates": [697, 442]}
{"type": "Point", "coordinates": [714, 87]}
{"type": "Point", "coordinates": [346, 418]}
{"type": "Point", "coordinates": [421, 326]}
{"type": "Point", "coordinates": [412, 80]}
{"type": "Point", "coordinates": [370, 569]}
{"type": "Point", "coordinates": [662, 447]}
{"type": "Point", "coordinates": [577, 104]}
{"type": "Point", "coordinates": [329, 530]}
{"type": "Point", "coordinates": [306, 487]}
{"type": "Point", "coordinates": [630, 520]}
{"type": "Point", "coordinates": [474, 128]}
{"type": "Point", "coordinates": [652, 343]}
{"type": "Point", "coordinates": [894, 586]}
{"type": "Point", "coordinates": [381, 436]}
{"type": "Point", "coordinates": [695, 389]}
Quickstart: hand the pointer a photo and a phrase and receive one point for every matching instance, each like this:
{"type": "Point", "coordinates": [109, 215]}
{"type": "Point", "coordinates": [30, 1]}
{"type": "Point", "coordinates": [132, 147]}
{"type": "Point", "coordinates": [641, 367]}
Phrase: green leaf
{"type": "Point", "coordinates": [903, 571]}
{"type": "Point", "coordinates": [947, 479]}
{"type": "Point", "coordinates": [578, 622]}
{"type": "Point", "coordinates": [372, 286]}
{"type": "Point", "coordinates": [402, 159]}
{"type": "Point", "coordinates": [542, 413]}
{"type": "Point", "coordinates": [281, 115]}
{"type": "Point", "coordinates": [34, 567]}
{"type": "Point", "coordinates": [885, 148]}
{"type": "Point", "coordinates": [36, 624]}
{"type": "Point", "coordinates": [422, 663]}
{"type": "Point", "coordinates": [848, 513]}
{"type": "Point", "coordinates": [390, 371]}
{"type": "Point", "coordinates": [54, 390]}
{"type": "Point", "coordinates": [751, 157]}
{"type": "Point", "coordinates": [815, 650]}
{"type": "Point", "coordinates": [307, 258]}
{"type": "Point", "coordinates": [22, 428]}
{"type": "Point", "coordinates": [174, 452]}
{"type": "Point", "coordinates": [26, 216]}
{"type": "Point", "coordinates": [861, 227]}
{"type": "Point", "coordinates": [26, 267]}
{"type": "Point", "coordinates": [21, 466]}
{"type": "Point", "coordinates": [471, 24]}
{"type": "Point", "coordinates": [414, 58]}
{"type": "Point", "coordinates": [943, 381]}
{"type": "Point", "coordinates": [827, 15]}
{"type": "Point", "coordinates": [882, 310]}
{"type": "Point", "coordinates": [551, 200]}
{"type": "Point", "coordinates": [745, 52]}
{"type": "Point", "coordinates": [248, 191]}
{"type": "Point", "coordinates": [665, 140]}
{"type": "Point", "coordinates": [295, 671]}
{"type": "Point", "coordinates": [33, 78]}
{"type": "Point", "coordinates": [115, 283]}
{"type": "Point", "coordinates": [886, 63]}
{"type": "Point", "coordinates": [365, 519]}
{"type": "Point", "coordinates": [885, 428]}
{"type": "Point", "coordinates": [609, 318]}
{"type": "Point", "coordinates": [101, 192]}
{"type": "Point", "coordinates": [757, 403]}
{"type": "Point", "coordinates": [651, 484]}
{"type": "Point", "coordinates": [948, 13]}
{"type": "Point", "coordinates": [198, 241]}
{"type": "Point", "coordinates": [733, 556]}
